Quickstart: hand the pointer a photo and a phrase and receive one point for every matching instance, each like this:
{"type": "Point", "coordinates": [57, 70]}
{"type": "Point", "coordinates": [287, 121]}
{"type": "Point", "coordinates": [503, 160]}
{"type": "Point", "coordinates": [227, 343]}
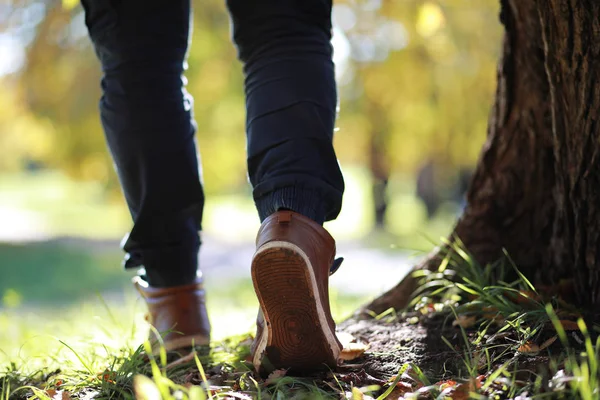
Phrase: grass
{"type": "Point", "coordinates": [515, 342]}
{"type": "Point", "coordinates": [93, 349]}
{"type": "Point", "coordinates": [484, 306]}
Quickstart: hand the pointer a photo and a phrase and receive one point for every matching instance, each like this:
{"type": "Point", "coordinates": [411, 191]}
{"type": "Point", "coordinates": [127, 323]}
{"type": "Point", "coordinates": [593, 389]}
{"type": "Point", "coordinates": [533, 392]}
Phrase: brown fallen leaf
{"type": "Point", "coordinates": [108, 376]}
{"type": "Point", "coordinates": [462, 391]}
{"type": "Point", "coordinates": [492, 314]}
{"type": "Point", "coordinates": [446, 384]}
{"type": "Point", "coordinates": [478, 381]}
{"type": "Point", "coordinates": [58, 394]}
{"type": "Point", "coordinates": [353, 350]}
{"type": "Point", "coordinates": [528, 348]}
{"type": "Point", "coordinates": [274, 376]}
{"type": "Point", "coordinates": [465, 321]}
{"type": "Point", "coordinates": [548, 342]}
{"type": "Point", "coordinates": [524, 297]}
{"type": "Point", "coordinates": [569, 325]}
{"type": "Point", "coordinates": [345, 338]}
{"type": "Point", "coordinates": [401, 389]}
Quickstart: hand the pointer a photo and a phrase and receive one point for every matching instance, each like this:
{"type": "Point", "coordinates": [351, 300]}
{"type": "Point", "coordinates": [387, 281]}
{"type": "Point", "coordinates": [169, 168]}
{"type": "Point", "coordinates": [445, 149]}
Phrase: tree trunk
{"type": "Point", "coordinates": [536, 189]}
{"type": "Point", "coordinates": [378, 162]}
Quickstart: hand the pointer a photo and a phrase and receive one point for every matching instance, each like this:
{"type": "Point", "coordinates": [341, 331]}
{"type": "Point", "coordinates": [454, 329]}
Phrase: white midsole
{"type": "Point", "coordinates": [329, 334]}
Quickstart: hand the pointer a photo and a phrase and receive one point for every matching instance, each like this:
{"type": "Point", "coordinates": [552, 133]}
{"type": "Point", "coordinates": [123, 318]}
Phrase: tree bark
{"type": "Point", "coordinates": [536, 188]}
{"type": "Point", "coordinates": [378, 164]}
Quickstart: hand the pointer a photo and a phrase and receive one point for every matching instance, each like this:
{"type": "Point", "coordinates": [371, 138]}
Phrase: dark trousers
{"type": "Point", "coordinates": [147, 118]}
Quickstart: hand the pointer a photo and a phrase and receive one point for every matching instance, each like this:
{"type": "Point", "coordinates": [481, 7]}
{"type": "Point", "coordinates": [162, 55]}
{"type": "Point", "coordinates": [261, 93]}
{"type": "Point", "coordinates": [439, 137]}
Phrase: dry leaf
{"type": "Point", "coordinates": [462, 391]}
{"type": "Point", "coordinates": [357, 394]}
{"type": "Point", "coordinates": [465, 321]}
{"type": "Point", "coordinates": [401, 389]}
{"type": "Point", "coordinates": [528, 348]}
{"type": "Point", "coordinates": [58, 394]}
{"type": "Point", "coordinates": [548, 342]}
{"type": "Point", "coordinates": [353, 350]}
{"type": "Point", "coordinates": [525, 297]}
{"type": "Point", "coordinates": [478, 382]}
{"type": "Point", "coordinates": [345, 338]}
{"type": "Point", "coordinates": [108, 376]}
{"type": "Point", "coordinates": [569, 325]}
{"type": "Point", "coordinates": [492, 314]}
{"type": "Point", "coordinates": [446, 384]}
{"type": "Point", "coordinates": [274, 376]}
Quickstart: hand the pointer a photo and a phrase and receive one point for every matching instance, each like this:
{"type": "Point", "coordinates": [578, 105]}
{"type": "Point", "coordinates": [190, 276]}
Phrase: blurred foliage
{"type": "Point", "coordinates": [416, 82]}
{"type": "Point", "coordinates": [45, 271]}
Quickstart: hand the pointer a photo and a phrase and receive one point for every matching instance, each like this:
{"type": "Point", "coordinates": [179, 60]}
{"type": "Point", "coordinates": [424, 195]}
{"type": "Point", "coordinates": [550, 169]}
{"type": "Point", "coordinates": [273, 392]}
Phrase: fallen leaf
{"type": "Point", "coordinates": [274, 376]}
{"type": "Point", "coordinates": [108, 376]}
{"type": "Point", "coordinates": [446, 384]}
{"type": "Point", "coordinates": [479, 381]}
{"type": "Point", "coordinates": [524, 297]}
{"type": "Point", "coordinates": [357, 394]}
{"type": "Point", "coordinates": [353, 350]}
{"type": "Point", "coordinates": [465, 321]}
{"type": "Point", "coordinates": [528, 348]}
{"type": "Point", "coordinates": [58, 394]}
{"type": "Point", "coordinates": [492, 314]}
{"type": "Point", "coordinates": [401, 389]}
{"type": "Point", "coordinates": [345, 338]}
{"type": "Point", "coordinates": [569, 325]}
{"type": "Point", "coordinates": [548, 342]}
{"type": "Point", "coordinates": [462, 391]}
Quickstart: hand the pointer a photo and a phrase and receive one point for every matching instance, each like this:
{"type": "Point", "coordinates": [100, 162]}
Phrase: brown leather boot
{"type": "Point", "coordinates": [290, 272]}
{"type": "Point", "coordinates": [178, 313]}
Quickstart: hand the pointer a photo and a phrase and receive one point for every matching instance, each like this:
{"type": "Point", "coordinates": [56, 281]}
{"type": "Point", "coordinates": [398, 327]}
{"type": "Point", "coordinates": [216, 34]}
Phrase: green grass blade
{"type": "Point", "coordinates": [87, 367]}
{"type": "Point", "coordinates": [557, 325]}
{"type": "Point", "coordinates": [519, 273]}
{"type": "Point", "coordinates": [467, 289]}
{"type": "Point", "coordinates": [391, 388]}
{"type": "Point", "coordinates": [202, 374]}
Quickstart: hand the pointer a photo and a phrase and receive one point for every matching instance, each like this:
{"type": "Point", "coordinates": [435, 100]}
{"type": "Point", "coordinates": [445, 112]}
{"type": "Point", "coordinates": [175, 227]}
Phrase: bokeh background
{"type": "Point", "coordinates": [416, 81]}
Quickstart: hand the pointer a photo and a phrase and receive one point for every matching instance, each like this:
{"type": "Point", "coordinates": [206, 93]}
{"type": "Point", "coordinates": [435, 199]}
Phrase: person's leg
{"type": "Point", "coordinates": [291, 107]}
{"type": "Point", "coordinates": [147, 118]}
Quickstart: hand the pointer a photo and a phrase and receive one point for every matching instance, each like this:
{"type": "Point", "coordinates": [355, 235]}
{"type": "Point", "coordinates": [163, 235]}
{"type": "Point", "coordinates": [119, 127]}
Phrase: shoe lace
{"type": "Point", "coordinates": [337, 263]}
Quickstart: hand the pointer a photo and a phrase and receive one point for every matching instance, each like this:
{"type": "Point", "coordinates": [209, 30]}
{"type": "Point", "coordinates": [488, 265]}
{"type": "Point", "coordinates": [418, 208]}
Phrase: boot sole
{"type": "Point", "coordinates": [296, 333]}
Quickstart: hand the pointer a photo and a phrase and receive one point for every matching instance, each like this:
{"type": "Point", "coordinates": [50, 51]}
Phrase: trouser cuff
{"type": "Point", "coordinates": [307, 202]}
